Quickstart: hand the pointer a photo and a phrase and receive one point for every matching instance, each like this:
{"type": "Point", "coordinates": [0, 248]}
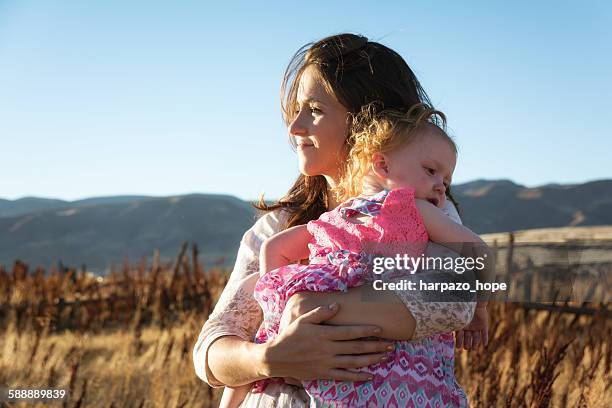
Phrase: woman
{"type": "Point", "coordinates": [323, 84]}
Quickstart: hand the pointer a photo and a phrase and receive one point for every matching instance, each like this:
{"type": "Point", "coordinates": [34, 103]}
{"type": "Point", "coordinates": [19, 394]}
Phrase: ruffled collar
{"type": "Point", "coordinates": [369, 205]}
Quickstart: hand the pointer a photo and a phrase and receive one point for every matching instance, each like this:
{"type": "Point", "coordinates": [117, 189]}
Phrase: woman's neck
{"type": "Point", "coordinates": [331, 197]}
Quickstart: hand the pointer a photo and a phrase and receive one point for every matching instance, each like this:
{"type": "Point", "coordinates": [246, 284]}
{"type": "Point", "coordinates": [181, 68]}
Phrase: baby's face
{"type": "Point", "coordinates": [426, 164]}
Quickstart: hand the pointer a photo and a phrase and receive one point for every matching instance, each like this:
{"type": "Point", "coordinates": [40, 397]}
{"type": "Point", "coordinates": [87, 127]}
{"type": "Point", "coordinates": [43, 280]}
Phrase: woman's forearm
{"type": "Point", "coordinates": [245, 365]}
{"type": "Point", "coordinates": [361, 305]}
{"type": "Point", "coordinates": [306, 349]}
{"type": "Point", "coordinates": [393, 311]}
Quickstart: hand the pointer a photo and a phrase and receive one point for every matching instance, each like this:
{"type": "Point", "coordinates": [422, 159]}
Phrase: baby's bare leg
{"type": "Point", "coordinates": [233, 397]}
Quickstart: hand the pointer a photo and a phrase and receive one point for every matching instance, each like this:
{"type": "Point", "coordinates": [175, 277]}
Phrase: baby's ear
{"type": "Point", "coordinates": [380, 166]}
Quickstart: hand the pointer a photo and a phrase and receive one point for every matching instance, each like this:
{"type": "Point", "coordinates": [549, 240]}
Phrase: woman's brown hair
{"type": "Point", "coordinates": [358, 72]}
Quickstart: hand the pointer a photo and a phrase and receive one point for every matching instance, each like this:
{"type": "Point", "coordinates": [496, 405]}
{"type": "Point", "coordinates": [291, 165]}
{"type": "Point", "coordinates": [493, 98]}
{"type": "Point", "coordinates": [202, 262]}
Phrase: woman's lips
{"type": "Point", "coordinates": [303, 146]}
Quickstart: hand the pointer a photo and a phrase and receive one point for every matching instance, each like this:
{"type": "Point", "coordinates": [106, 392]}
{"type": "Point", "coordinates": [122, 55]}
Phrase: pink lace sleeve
{"type": "Point", "coordinates": [237, 312]}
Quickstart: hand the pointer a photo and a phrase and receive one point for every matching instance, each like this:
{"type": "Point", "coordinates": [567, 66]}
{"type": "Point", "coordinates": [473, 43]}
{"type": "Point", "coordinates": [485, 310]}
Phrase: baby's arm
{"type": "Point", "coordinates": [233, 396]}
{"type": "Point", "coordinates": [288, 246]}
{"type": "Point", "coordinates": [444, 231]}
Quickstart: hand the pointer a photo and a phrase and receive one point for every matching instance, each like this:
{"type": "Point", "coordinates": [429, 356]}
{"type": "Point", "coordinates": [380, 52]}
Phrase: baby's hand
{"type": "Point", "coordinates": [475, 333]}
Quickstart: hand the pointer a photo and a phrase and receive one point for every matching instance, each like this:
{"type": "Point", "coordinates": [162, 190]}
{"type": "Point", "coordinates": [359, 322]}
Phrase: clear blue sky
{"type": "Point", "coordinates": [161, 98]}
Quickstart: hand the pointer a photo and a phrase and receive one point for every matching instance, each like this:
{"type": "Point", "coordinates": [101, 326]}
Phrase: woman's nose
{"type": "Point", "coordinates": [298, 126]}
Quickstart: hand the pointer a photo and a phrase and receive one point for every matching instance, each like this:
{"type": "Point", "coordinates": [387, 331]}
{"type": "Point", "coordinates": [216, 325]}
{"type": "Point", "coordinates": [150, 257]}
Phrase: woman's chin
{"type": "Point", "coordinates": [309, 173]}
{"type": "Point", "coordinates": [317, 168]}
{"type": "Point", "coordinates": [309, 169]}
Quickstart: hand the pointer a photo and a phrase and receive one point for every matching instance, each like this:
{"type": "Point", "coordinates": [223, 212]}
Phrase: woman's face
{"type": "Point", "coordinates": [319, 129]}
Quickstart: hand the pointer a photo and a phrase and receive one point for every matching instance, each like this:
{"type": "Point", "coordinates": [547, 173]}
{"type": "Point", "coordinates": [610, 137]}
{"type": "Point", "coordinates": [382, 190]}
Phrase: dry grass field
{"type": "Point", "coordinates": [126, 340]}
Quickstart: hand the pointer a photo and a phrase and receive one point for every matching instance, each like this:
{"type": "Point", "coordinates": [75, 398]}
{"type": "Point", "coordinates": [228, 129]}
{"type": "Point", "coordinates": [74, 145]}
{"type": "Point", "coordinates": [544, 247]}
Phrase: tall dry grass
{"type": "Point", "coordinates": [126, 340]}
{"type": "Point", "coordinates": [538, 359]}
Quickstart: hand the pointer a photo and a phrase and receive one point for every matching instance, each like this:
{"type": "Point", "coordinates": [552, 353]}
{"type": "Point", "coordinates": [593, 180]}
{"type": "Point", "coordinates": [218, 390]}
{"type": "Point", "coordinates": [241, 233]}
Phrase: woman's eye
{"type": "Point", "coordinates": [315, 110]}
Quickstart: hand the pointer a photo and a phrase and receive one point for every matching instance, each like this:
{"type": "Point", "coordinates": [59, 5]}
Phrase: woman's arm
{"type": "Point", "coordinates": [306, 349]}
{"type": "Point", "coordinates": [401, 314]}
{"type": "Point", "coordinates": [236, 315]}
{"type": "Point", "coordinates": [443, 230]}
{"type": "Point", "coordinates": [360, 305]}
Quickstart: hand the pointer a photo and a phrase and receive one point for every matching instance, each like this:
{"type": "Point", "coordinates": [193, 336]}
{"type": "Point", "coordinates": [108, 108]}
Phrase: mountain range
{"type": "Point", "coordinates": [100, 231]}
{"type": "Point", "coordinates": [104, 230]}
{"type": "Point", "coordinates": [501, 205]}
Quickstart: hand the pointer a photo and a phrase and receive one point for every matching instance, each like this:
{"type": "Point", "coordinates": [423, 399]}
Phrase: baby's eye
{"type": "Point", "coordinates": [429, 170]}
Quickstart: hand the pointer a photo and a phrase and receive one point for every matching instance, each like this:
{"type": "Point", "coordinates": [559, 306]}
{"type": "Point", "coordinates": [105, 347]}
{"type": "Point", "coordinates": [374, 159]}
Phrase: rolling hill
{"type": "Point", "coordinates": [97, 233]}
{"type": "Point", "coordinates": [501, 205]}
{"type": "Point", "coordinates": [101, 230]}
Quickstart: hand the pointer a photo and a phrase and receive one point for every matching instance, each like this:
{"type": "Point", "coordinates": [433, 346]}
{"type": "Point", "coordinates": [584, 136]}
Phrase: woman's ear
{"type": "Point", "coordinates": [380, 167]}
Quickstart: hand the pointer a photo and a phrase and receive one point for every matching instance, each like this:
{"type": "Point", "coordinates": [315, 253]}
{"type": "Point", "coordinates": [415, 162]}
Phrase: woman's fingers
{"type": "Point", "coordinates": [362, 347]}
{"type": "Point", "coordinates": [475, 339]}
{"type": "Point", "coordinates": [345, 375]}
{"type": "Point", "coordinates": [467, 340]}
{"type": "Point", "coordinates": [349, 332]}
{"type": "Point", "coordinates": [471, 339]}
{"type": "Point", "coordinates": [308, 349]}
{"type": "Point", "coordinates": [358, 361]}
{"type": "Point", "coordinates": [459, 339]}
{"type": "Point", "coordinates": [323, 313]}
{"type": "Point", "coordinates": [320, 314]}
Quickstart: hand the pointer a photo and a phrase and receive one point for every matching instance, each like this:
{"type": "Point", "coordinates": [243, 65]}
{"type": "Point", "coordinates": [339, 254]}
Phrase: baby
{"type": "Point", "coordinates": [399, 169]}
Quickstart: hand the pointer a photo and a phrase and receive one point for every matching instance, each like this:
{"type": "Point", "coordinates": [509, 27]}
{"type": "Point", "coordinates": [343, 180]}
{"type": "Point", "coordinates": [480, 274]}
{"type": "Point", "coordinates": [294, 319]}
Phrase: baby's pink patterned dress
{"type": "Point", "coordinates": [418, 373]}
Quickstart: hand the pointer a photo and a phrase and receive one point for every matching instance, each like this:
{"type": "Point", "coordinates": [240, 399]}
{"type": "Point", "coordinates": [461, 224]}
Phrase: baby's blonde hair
{"type": "Point", "coordinates": [380, 132]}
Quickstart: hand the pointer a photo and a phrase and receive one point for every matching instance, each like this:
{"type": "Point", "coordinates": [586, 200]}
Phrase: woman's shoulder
{"type": "Point", "coordinates": [450, 210]}
{"type": "Point", "coordinates": [269, 223]}
{"type": "Point", "coordinates": [274, 220]}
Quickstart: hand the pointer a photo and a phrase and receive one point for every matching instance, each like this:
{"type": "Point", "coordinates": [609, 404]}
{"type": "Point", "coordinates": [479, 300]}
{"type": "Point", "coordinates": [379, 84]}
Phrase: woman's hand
{"type": "Point", "coordinates": [475, 333]}
{"type": "Point", "coordinates": [298, 305]}
{"type": "Point", "coordinates": [306, 349]}
{"type": "Point", "coordinates": [361, 305]}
